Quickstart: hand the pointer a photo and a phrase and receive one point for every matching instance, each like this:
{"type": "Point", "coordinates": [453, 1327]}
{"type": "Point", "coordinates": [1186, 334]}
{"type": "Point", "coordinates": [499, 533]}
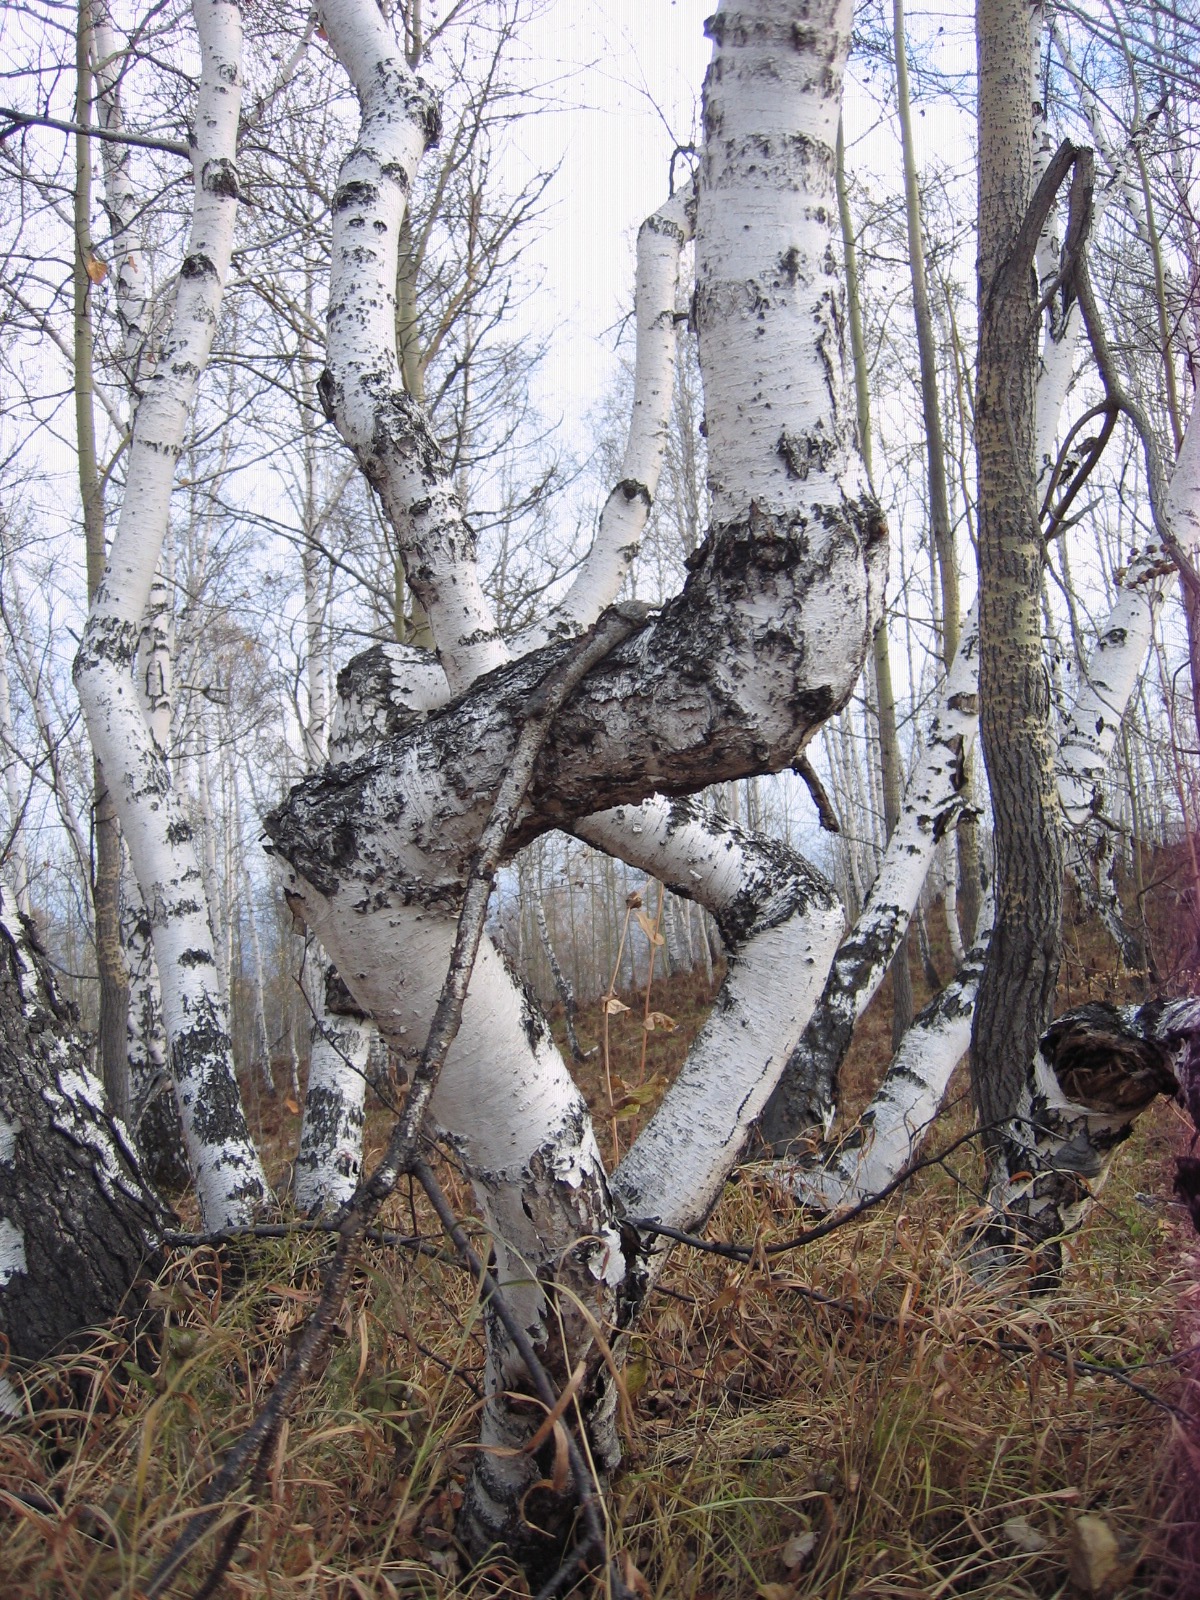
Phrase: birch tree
{"type": "Point", "coordinates": [229, 1176]}
{"type": "Point", "coordinates": [767, 639]}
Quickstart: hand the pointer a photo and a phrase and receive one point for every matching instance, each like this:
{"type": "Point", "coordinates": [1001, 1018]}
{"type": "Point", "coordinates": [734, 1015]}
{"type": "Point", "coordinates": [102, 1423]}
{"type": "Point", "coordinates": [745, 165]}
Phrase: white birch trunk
{"type": "Point", "coordinates": [661, 239]}
{"type": "Point", "coordinates": [888, 1134]}
{"type": "Point", "coordinates": [16, 862]}
{"type": "Point", "coordinates": [120, 198]}
{"type": "Point", "coordinates": [806, 1094]}
{"type": "Point", "coordinates": [777, 916]}
{"type": "Point", "coordinates": [229, 1177]}
{"type": "Point", "coordinates": [361, 387]}
{"type": "Point", "coordinates": [1091, 726]}
{"type": "Point", "coordinates": [329, 1159]}
{"type": "Point", "coordinates": [767, 640]}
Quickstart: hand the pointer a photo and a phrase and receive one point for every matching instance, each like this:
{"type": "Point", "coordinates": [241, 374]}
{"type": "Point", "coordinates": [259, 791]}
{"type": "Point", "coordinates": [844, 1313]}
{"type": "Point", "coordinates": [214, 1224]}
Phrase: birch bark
{"type": "Point", "coordinates": [77, 1222]}
{"type": "Point", "coordinates": [229, 1178]}
{"type": "Point", "coordinates": [766, 640]}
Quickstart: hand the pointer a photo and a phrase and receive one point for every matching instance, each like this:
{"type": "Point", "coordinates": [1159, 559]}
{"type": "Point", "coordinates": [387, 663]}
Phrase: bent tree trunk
{"type": "Point", "coordinates": [766, 640]}
{"type": "Point", "coordinates": [78, 1224]}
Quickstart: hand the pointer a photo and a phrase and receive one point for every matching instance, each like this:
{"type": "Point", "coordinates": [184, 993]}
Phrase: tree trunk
{"type": "Point", "coordinates": [106, 875]}
{"type": "Point", "coordinates": [229, 1177]}
{"type": "Point", "coordinates": [766, 641]}
{"type": "Point", "coordinates": [889, 1133]}
{"type": "Point", "coordinates": [78, 1224]}
{"type": "Point", "coordinates": [806, 1095]}
{"type": "Point", "coordinates": [1016, 995]}
{"type": "Point", "coordinates": [329, 1159]}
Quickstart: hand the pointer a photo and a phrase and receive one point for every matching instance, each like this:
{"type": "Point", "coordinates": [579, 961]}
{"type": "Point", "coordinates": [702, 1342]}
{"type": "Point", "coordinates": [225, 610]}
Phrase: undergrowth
{"type": "Point", "coordinates": [852, 1420]}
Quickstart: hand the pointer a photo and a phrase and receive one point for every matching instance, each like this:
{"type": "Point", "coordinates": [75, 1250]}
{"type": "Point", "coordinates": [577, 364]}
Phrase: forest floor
{"type": "Point", "coordinates": [853, 1420]}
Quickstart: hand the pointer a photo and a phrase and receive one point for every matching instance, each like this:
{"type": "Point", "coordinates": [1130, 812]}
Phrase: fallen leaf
{"type": "Point", "coordinates": [1093, 1558]}
{"type": "Point", "coordinates": [1025, 1536]}
{"type": "Point", "coordinates": [633, 1579]}
{"type": "Point", "coordinates": [798, 1549]}
{"type": "Point", "coordinates": [659, 1019]}
{"type": "Point", "coordinates": [777, 1591]}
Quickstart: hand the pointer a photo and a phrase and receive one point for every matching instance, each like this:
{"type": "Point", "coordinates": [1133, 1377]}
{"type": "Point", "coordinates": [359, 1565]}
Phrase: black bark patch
{"type": "Point", "coordinates": [198, 266]}
{"type": "Point", "coordinates": [195, 958]}
{"type": "Point", "coordinates": [326, 392]}
{"type": "Point", "coordinates": [87, 1242]}
{"type": "Point", "coordinates": [633, 490]}
{"type": "Point", "coordinates": [358, 192]}
{"type": "Point", "coordinates": [220, 177]}
{"type": "Point", "coordinates": [339, 1002]}
{"type": "Point", "coordinates": [801, 455]}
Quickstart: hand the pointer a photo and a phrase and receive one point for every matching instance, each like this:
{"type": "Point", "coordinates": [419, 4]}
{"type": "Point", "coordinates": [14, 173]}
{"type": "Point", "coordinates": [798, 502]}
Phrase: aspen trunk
{"type": "Point", "coordinates": [1016, 994]}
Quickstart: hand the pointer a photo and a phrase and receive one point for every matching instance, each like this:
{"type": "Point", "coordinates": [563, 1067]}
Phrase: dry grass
{"type": "Point", "coordinates": [835, 1423]}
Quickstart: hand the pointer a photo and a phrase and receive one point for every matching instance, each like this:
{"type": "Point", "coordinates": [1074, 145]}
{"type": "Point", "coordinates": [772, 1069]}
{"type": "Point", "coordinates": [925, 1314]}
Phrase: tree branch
{"type": "Point", "coordinates": [29, 119]}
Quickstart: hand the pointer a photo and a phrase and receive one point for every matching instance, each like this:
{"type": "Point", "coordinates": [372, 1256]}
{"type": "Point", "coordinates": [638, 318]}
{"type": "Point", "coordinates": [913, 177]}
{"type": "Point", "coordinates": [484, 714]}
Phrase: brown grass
{"type": "Point", "coordinates": [837, 1423]}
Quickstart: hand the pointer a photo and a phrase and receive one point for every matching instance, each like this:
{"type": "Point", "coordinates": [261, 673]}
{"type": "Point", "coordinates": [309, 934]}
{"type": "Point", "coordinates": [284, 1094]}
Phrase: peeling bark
{"type": "Point", "coordinates": [1096, 1070]}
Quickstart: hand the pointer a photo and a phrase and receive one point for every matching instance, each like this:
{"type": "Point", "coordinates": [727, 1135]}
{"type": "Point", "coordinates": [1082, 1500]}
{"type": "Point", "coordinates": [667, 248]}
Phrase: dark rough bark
{"type": "Point", "coordinates": [1095, 1071]}
{"type": "Point", "coordinates": [1017, 994]}
{"type": "Point", "coordinates": [662, 713]}
{"type": "Point", "coordinates": [78, 1224]}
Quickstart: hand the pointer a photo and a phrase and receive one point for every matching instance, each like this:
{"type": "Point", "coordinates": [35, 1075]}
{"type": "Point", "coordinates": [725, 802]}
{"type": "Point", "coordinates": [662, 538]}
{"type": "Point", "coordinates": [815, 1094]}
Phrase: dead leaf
{"type": "Point", "coordinates": [659, 1019]}
{"type": "Point", "coordinates": [1093, 1558]}
{"type": "Point", "coordinates": [798, 1549]}
{"type": "Point", "coordinates": [1018, 1531]}
{"type": "Point", "coordinates": [97, 270]}
{"type": "Point", "coordinates": [777, 1591]}
{"type": "Point", "coordinates": [291, 1105]}
{"type": "Point", "coordinates": [612, 1005]}
{"type": "Point", "coordinates": [633, 1579]}
{"type": "Point", "coordinates": [646, 924]}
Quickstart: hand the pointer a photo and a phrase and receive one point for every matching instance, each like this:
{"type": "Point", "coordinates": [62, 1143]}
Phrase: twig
{"type": "Point", "coordinates": [284, 1230]}
{"type": "Point", "coordinates": [402, 1154]}
{"type": "Point", "coordinates": [826, 815]}
{"type": "Point", "coordinates": [1119, 396]}
{"type": "Point", "coordinates": [744, 1252]}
